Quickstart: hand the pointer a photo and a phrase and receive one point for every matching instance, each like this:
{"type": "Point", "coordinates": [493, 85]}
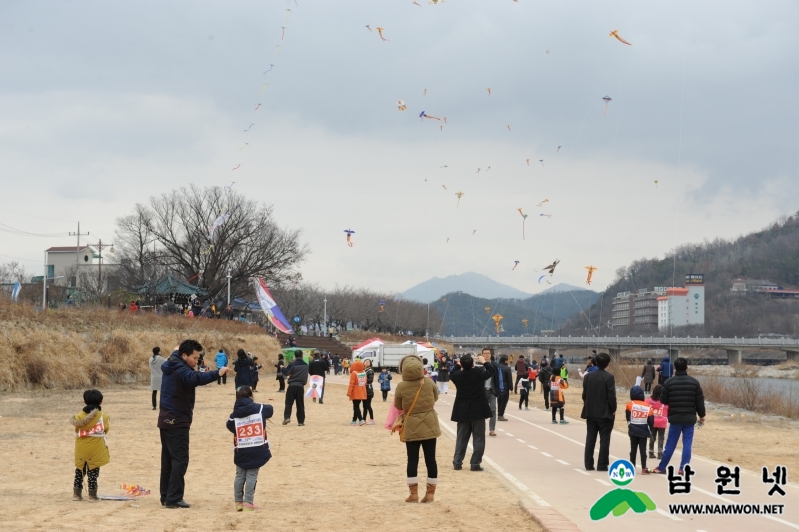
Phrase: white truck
{"type": "Point", "coordinates": [387, 355]}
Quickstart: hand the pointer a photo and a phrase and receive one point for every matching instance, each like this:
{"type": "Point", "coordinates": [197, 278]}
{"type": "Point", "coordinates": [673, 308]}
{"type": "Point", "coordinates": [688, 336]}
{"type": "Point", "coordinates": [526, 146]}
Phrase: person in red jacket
{"type": "Point", "coordinates": [640, 422]}
{"type": "Point", "coordinates": [661, 413]}
{"type": "Point", "coordinates": [356, 391]}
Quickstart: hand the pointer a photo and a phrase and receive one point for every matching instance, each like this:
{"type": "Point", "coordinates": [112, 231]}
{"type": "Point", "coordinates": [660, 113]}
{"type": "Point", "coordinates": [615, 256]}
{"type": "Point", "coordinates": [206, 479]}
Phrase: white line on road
{"type": "Point", "coordinates": [583, 472]}
{"type": "Point", "coordinates": [602, 482]}
{"type": "Point", "coordinates": [520, 440]}
{"type": "Point", "coordinates": [546, 454]}
{"type": "Point", "coordinates": [509, 434]}
{"type": "Point", "coordinates": [562, 462]}
{"type": "Point", "coordinates": [533, 447]}
{"type": "Point", "coordinates": [667, 514]}
{"type": "Point", "coordinates": [501, 430]}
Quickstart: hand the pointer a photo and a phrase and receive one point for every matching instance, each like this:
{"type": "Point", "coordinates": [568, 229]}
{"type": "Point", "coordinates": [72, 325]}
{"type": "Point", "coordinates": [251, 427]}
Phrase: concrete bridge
{"type": "Point", "coordinates": [614, 344]}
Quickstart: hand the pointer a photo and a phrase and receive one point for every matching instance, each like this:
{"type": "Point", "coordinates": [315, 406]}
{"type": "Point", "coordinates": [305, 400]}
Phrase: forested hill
{"type": "Point", "coordinates": [465, 315]}
{"type": "Point", "coordinates": [771, 254]}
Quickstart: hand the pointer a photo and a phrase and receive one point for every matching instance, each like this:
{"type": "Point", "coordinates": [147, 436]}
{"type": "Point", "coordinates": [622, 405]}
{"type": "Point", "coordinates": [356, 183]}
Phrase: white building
{"type": "Point", "coordinates": [683, 306]}
{"type": "Point", "coordinates": [65, 261]}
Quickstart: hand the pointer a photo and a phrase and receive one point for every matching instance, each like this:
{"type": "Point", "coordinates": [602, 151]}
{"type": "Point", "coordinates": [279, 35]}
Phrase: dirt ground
{"type": "Point", "coordinates": [327, 475]}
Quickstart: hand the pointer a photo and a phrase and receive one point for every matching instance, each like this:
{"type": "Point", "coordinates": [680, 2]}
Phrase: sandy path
{"type": "Point", "coordinates": [324, 476]}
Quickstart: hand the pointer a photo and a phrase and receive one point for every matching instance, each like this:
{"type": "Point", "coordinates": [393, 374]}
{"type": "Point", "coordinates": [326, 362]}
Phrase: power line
{"type": "Point", "coordinates": [14, 231]}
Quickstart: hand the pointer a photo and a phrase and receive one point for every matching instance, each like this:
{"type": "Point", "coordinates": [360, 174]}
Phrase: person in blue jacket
{"type": "Point", "coordinates": [665, 370]}
{"type": "Point", "coordinates": [178, 384]}
{"type": "Point", "coordinates": [385, 382]}
{"type": "Point", "coordinates": [250, 447]}
{"type": "Point", "coordinates": [221, 362]}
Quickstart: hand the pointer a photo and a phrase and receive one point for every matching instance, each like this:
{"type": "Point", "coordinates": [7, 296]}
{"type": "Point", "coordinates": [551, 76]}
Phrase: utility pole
{"type": "Point", "coordinates": [77, 252]}
{"type": "Point", "coordinates": [324, 324]}
{"type": "Point", "coordinates": [44, 283]}
{"type": "Point", "coordinates": [228, 285]}
{"type": "Point", "coordinates": [100, 247]}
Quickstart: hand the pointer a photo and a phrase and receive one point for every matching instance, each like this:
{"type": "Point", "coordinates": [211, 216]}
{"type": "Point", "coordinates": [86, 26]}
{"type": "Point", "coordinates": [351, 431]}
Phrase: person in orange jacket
{"type": "Point", "coordinates": [556, 398]}
{"type": "Point", "coordinates": [356, 391]}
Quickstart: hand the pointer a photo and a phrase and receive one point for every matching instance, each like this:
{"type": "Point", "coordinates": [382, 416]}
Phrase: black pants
{"type": "Point", "coordinates": [647, 387]}
{"type": "Point", "coordinates": [91, 474]}
{"type": "Point", "coordinates": [637, 443]}
{"type": "Point", "coordinates": [555, 408]}
{"type": "Point", "coordinates": [367, 407]}
{"type": "Point", "coordinates": [356, 410]}
{"type": "Point", "coordinates": [429, 448]}
{"type": "Point", "coordinates": [603, 427]}
{"type": "Point", "coordinates": [282, 385]}
{"type": "Point", "coordinates": [155, 402]}
{"type": "Point", "coordinates": [524, 398]}
{"type": "Point", "coordinates": [295, 393]}
{"type": "Point", "coordinates": [545, 390]}
{"type": "Point", "coordinates": [385, 395]}
{"type": "Point", "coordinates": [222, 379]}
{"type": "Point", "coordinates": [254, 384]}
{"type": "Point", "coordinates": [502, 402]}
{"type": "Point", "coordinates": [518, 378]}
{"type": "Point", "coordinates": [322, 396]}
{"type": "Point", "coordinates": [476, 430]}
{"type": "Point", "coordinates": [174, 463]}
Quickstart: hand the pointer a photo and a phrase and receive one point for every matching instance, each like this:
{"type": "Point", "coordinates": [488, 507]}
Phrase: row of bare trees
{"type": "Point", "coordinates": [363, 309]}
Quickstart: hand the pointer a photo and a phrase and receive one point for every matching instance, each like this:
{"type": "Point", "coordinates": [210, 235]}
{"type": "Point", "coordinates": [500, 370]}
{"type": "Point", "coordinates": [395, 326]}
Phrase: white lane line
{"type": "Point", "coordinates": [501, 430]}
{"type": "Point", "coordinates": [520, 440]}
{"type": "Point", "coordinates": [583, 472]}
{"type": "Point", "coordinates": [546, 454]}
{"type": "Point", "coordinates": [582, 444]}
{"type": "Point", "coordinates": [562, 462]}
{"type": "Point", "coordinates": [509, 434]}
{"type": "Point", "coordinates": [667, 514]}
{"type": "Point", "coordinates": [533, 447]}
{"type": "Point", "coordinates": [602, 482]}
{"type": "Point", "coordinates": [701, 531]}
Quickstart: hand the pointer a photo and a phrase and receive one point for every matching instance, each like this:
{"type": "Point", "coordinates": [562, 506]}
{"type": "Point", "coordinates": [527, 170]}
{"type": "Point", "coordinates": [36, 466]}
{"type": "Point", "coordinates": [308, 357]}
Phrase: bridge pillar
{"type": "Point", "coordinates": [793, 356]}
{"type": "Point", "coordinates": [674, 354]}
{"type": "Point", "coordinates": [615, 355]}
{"type": "Point", "coordinates": [552, 352]}
{"type": "Point", "coordinates": [734, 356]}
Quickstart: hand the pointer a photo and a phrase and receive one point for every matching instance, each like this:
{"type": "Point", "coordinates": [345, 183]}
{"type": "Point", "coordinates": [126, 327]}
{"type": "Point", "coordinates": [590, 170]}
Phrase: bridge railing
{"type": "Point", "coordinates": [626, 341]}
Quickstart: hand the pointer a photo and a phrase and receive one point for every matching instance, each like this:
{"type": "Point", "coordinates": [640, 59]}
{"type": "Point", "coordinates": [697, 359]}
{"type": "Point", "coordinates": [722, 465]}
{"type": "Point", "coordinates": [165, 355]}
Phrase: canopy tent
{"type": "Point", "coordinates": [424, 350]}
{"type": "Point", "coordinates": [170, 286]}
{"type": "Point", "coordinates": [367, 345]}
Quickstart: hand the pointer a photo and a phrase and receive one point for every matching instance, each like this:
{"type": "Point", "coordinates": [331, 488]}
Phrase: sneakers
{"type": "Point", "coordinates": [300, 424]}
{"type": "Point", "coordinates": [239, 506]}
{"type": "Point", "coordinates": [526, 408]}
{"type": "Point", "coordinates": [361, 423]}
{"type": "Point", "coordinates": [249, 507]}
{"type": "Point", "coordinates": [492, 433]}
{"type": "Point", "coordinates": [286, 421]}
{"type": "Point", "coordinates": [564, 422]}
{"type": "Point", "coordinates": [457, 467]}
{"type": "Point", "coordinates": [546, 409]}
{"type": "Point", "coordinates": [180, 504]}
{"type": "Point", "coordinates": [660, 455]}
{"type": "Point", "coordinates": [651, 454]}
{"type": "Point", "coordinates": [501, 418]}
{"type": "Point", "coordinates": [476, 468]}
{"type": "Point", "coordinates": [645, 471]}
{"type": "Point", "coordinates": [370, 422]}
{"type": "Point", "coordinates": [657, 471]}
{"type": "Point", "coordinates": [353, 423]}
{"type": "Point", "coordinates": [554, 422]}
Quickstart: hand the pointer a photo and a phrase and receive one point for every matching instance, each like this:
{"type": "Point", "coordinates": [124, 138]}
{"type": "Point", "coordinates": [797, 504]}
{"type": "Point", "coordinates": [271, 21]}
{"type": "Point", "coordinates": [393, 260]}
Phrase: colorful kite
{"type": "Point", "coordinates": [551, 268]}
{"type": "Point", "coordinates": [380, 32]}
{"type": "Point", "coordinates": [444, 187]}
{"type": "Point", "coordinates": [349, 232]}
{"type": "Point", "coordinates": [508, 126]}
{"type": "Point", "coordinates": [262, 89]}
{"type": "Point", "coordinates": [283, 35]}
{"type": "Point", "coordinates": [656, 183]}
{"type": "Point", "coordinates": [615, 33]}
{"type": "Point", "coordinates": [237, 166]}
{"type": "Point", "coordinates": [540, 204]}
{"type": "Point", "coordinates": [524, 219]}
{"type": "Point", "coordinates": [435, 2]}
{"type": "Point", "coordinates": [382, 306]}
{"type": "Point", "coordinates": [607, 99]}
{"type": "Point", "coordinates": [316, 388]}
{"type": "Point", "coordinates": [489, 91]}
{"type": "Point", "coordinates": [591, 270]}
{"type": "Point", "coordinates": [473, 232]}
{"type": "Point", "coordinates": [425, 115]}
{"type": "Point", "coordinates": [258, 106]}
{"type": "Point", "coordinates": [528, 162]}
{"type": "Point", "coordinates": [288, 14]}
{"type": "Point", "coordinates": [134, 490]}
{"type": "Point", "coordinates": [368, 28]}
{"type": "Point", "coordinates": [417, 3]}
{"type": "Point", "coordinates": [497, 318]}
{"type": "Point", "coordinates": [269, 306]}
{"type": "Point", "coordinates": [558, 150]}
{"type": "Point", "coordinates": [515, 263]}
{"type": "Point", "coordinates": [228, 187]}
{"type": "Point", "coordinates": [539, 279]}
{"type": "Point", "coordinates": [488, 310]}
{"type": "Point", "coordinates": [447, 240]}
{"type": "Point", "coordinates": [441, 128]}
{"type": "Point", "coordinates": [459, 195]}
{"type": "Point", "coordinates": [401, 105]}
{"type": "Point", "coordinates": [524, 322]}
{"type": "Point", "coordinates": [277, 49]}
{"type": "Point", "coordinates": [220, 220]}
{"type": "Point", "coordinates": [478, 171]}
{"type": "Point", "coordinates": [250, 126]}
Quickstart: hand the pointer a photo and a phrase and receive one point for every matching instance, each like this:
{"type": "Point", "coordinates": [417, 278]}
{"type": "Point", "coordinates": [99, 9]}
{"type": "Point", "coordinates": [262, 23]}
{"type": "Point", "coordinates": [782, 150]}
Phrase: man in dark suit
{"type": "Point", "coordinates": [471, 408]}
{"type": "Point", "coordinates": [599, 411]}
{"type": "Point", "coordinates": [505, 377]}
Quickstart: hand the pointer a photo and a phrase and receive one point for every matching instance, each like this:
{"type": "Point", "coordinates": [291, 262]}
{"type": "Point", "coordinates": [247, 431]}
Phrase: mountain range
{"type": "Point", "coordinates": [474, 284]}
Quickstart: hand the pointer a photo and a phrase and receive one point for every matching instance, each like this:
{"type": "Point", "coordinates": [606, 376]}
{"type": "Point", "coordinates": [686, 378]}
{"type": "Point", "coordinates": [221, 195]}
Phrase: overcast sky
{"type": "Point", "coordinates": [104, 104]}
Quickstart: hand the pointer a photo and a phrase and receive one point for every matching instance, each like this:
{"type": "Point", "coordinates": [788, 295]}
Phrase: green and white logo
{"type": "Point", "coordinates": [618, 501]}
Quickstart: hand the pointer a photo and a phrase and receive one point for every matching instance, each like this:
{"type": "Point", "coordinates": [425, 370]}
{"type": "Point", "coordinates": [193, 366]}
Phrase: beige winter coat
{"type": "Point", "coordinates": [422, 424]}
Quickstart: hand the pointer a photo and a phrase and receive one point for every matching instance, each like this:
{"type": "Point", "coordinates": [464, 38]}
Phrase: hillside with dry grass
{"type": "Point", "coordinates": [77, 348]}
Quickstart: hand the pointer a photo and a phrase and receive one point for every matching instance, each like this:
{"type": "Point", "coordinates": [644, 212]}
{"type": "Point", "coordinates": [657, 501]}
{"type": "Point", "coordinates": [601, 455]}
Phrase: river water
{"type": "Point", "coordinates": [786, 386]}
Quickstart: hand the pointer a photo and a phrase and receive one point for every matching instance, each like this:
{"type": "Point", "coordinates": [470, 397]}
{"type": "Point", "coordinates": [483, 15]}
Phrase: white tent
{"type": "Point", "coordinates": [423, 351]}
{"type": "Point", "coordinates": [370, 345]}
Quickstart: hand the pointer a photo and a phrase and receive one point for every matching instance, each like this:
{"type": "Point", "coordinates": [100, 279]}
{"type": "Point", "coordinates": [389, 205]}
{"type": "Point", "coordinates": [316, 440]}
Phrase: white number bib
{"type": "Point", "coordinates": [250, 431]}
{"type": "Point", "coordinates": [638, 414]}
{"type": "Point", "coordinates": [97, 431]}
{"type": "Point", "coordinates": [361, 379]}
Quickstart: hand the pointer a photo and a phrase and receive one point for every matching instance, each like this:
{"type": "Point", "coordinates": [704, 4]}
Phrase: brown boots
{"type": "Point", "coordinates": [414, 496]}
{"type": "Point", "coordinates": [431, 491]}
{"type": "Point", "coordinates": [93, 495]}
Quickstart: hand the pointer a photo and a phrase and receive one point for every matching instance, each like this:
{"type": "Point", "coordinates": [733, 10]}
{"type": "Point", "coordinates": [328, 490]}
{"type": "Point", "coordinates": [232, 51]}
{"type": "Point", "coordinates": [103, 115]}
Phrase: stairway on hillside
{"type": "Point", "coordinates": [322, 343]}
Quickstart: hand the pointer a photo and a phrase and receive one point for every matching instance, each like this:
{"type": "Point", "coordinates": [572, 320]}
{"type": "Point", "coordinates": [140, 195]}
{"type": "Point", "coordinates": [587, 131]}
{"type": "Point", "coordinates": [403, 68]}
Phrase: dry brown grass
{"type": "Point", "coordinates": [71, 348]}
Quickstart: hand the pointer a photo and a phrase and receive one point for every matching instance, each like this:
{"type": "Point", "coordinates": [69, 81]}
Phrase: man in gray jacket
{"type": "Point", "coordinates": [297, 375]}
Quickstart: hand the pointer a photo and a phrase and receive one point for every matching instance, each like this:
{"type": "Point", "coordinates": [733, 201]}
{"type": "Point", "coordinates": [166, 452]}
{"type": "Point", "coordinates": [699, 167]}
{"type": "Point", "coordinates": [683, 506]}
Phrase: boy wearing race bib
{"type": "Point", "coordinates": [640, 422]}
{"type": "Point", "coordinates": [556, 398]}
{"type": "Point", "coordinates": [91, 451]}
{"type": "Point", "coordinates": [250, 446]}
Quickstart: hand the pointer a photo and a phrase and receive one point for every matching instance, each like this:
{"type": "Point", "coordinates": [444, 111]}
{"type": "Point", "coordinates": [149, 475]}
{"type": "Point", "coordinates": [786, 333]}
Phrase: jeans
{"type": "Point", "coordinates": [638, 445]}
{"type": "Point", "coordinates": [545, 390]}
{"type": "Point", "coordinates": [502, 402]}
{"type": "Point", "coordinates": [602, 426]}
{"type": "Point", "coordinates": [295, 393]}
{"type": "Point", "coordinates": [356, 410]}
{"type": "Point", "coordinates": [687, 432]}
{"type": "Point", "coordinates": [492, 403]}
{"type": "Point", "coordinates": [657, 433]}
{"type": "Point", "coordinates": [244, 485]}
{"type": "Point", "coordinates": [429, 448]}
{"type": "Point", "coordinates": [477, 431]}
{"type": "Point", "coordinates": [174, 463]}
{"type": "Point", "coordinates": [367, 407]}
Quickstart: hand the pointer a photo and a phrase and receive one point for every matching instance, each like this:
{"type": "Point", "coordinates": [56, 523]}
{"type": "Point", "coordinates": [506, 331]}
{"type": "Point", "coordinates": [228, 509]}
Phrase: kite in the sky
{"type": "Point", "coordinates": [380, 32]}
{"type": "Point", "coordinates": [401, 105]}
{"type": "Point", "coordinates": [528, 162]}
{"type": "Point", "coordinates": [245, 145]}
{"type": "Point", "coordinates": [424, 93]}
{"type": "Point", "coordinates": [524, 219]}
{"type": "Point", "coordinates": [382, 306]}
{"type": "Point", "coordinates": [283, 35]}
{"type": "Point", "coordinates": [656, 183]}
{"type": "Point", "coordinates": [270, 69]}
{"type": "Point", "coordinates": [615, 33]}
{"type": "Point", "coordinates": [220, 220]}
{"type": "Point", "coordinates": [489, 91]}
{"type": "Point", "coordinates": [237, 166]}
{"type": "Point", "coordinates": [497, 319]}
{"type": "Point", "coordinates": [478, 171]}
{"type": "Point", "coordinates": [607, 100]}
{"type": "Point", "coordinates": [434, 2]}
{"type": "Point", "coordinates": [277, 49]}
{"type": "Point", "coordinates": [545, 201]}
{"type": "Point", "coordinates": [444, 187]}
{"type": "Point", "coordinates": [263, 88]}
{"type": "Point", "coordinates": [508, 127]}
{"type": "Point", "coordinates": [547, 215]}
{"type": "Point", "coordinates": [488, 310]}
{"type": "Point", "coordinates": [473, 232]}
{"type": "Point", "coordinates": [349, 232]}
{"type": "Point", "coordinates": [250, 126]}
{"type": "Point", "coordinates": [425, 115]}
{"type": "Point", "coordinates": [551, 268]}
{"type": "Point", "coordinates": [417, 3]}
{"type": "Point", "coordinates": [368, 28]}
{"type": "Point", "coordinates": [515, 263]}
{"type": "Point", "coordinates": [524, 322]}
{"type": "Point", "coordinates": [547, 52]}
{"type": "Point", "coordinates": [539, 279]}
{"type": "Point", "coordinates": [447, 240]}
{"type": "Point", "coordinates": [541, 161]}
{"type": "Point", "coordinates": [441, 128]}
{"type": "Point", "coordinates": [445, 166]}
{"type": "Point", "coordinates": [591, 270]}
{"type": "Point", "coordinates": [459, 194]}
{"type": "Point", "coordinates": [288, 14]}
{"type": "Point", "coordinates": [258, 106]}
{"type": "Point", "coordinates": [445, 119]}
{"type": "Point", "coordinates": [558, 150]}
{"type": "Point", "coordinates": [228, 187]}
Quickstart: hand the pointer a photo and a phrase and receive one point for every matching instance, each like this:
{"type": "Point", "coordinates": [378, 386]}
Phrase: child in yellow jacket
{"type": "Point", "coordinates": [91, 451]}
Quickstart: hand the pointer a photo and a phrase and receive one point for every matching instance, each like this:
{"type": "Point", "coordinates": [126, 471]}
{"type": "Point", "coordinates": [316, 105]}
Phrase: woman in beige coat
{"type": "Point", "coordinates": [421, 426]}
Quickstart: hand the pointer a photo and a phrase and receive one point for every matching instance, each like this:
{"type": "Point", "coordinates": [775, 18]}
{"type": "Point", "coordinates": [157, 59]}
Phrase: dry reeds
{"type": "Point", "coordinates": [75, 348]}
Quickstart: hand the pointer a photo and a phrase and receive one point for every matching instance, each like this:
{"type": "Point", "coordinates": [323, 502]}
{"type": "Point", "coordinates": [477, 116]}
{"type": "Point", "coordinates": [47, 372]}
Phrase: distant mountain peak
{"type": "Point", "coordinates": [563, 287]}
{"type": "Point", "coordinates": [474, 284]}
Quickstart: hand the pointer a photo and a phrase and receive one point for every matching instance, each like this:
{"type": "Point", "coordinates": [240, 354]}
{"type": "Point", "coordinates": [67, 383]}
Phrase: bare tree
{"type": "Point", "coordinates": [13, 271]}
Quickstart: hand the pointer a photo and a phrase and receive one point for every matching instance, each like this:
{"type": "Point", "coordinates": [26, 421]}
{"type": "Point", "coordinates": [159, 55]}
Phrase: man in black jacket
{"type": "Point", "coordinates": [545, 376]}
{"type": "Point", "coordinates": [491, 385]}
{"type": "Point", "coordinates": [599, 411]}
{"type": "Point", "coordinates": [471, 409]}
{"type": "Point", "coordinates": [685, 400]}
{"type": "Point", "coordinates": [297, 375]}
{"type": "Point", "coordinates": [318, 366]}
{"type": "Point", "coordinates": [505, 378]}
